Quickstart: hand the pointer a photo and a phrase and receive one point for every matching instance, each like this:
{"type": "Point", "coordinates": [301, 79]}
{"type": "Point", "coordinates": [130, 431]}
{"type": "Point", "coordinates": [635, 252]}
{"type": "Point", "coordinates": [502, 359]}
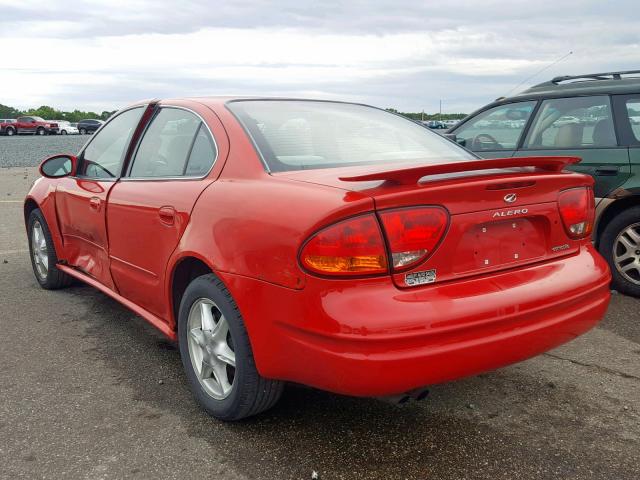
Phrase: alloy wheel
{"type": "Point", "coordinates": [39, 250]}
{"type": "Point", "coordinates": [211, 348]}
{"type": "Point", "coordinates": [626, 253]}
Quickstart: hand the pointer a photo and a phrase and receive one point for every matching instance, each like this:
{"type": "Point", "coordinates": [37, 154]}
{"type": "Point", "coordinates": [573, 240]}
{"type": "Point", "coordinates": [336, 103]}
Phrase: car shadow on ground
{"type": "Point", "coordinates": [525, 419]}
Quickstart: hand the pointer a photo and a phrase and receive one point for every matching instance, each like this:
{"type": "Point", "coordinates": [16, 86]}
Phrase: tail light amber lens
{"type": "Point", "coordinates": [351, 247]}
{"type": "Point", "coordinates": [577, 209]}
{"type": "Point", "coordinates": [413, 233]}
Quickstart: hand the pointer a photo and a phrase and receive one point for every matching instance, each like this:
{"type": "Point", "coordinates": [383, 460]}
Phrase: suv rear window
{"type": "Point", "coordinates": [298, 135]}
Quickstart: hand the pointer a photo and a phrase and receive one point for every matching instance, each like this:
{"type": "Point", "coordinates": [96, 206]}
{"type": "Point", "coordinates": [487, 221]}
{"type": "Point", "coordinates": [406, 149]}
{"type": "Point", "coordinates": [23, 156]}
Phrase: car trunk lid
{"type": "Point", "coordinates": [503, 213]}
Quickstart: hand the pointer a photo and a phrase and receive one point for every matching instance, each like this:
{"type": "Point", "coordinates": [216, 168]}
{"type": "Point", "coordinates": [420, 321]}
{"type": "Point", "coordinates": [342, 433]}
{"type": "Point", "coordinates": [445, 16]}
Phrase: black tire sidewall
{"type": "Point", "coordinates": [36, 215]}
{"type": "Point", "coordinates": [205, 287]}
{"type": "Point", "coordinates": [606, 245]}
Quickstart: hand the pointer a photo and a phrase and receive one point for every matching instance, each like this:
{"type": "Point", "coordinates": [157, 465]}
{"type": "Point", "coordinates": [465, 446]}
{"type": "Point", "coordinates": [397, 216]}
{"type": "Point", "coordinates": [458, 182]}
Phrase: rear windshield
{"type": "Point", "coordinates": [299, 135]}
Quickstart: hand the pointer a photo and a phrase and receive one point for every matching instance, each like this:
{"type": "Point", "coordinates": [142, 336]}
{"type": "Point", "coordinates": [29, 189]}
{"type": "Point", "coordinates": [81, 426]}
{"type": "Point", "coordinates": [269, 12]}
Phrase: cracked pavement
{"type": "Point", "coordinates": [88, 390]}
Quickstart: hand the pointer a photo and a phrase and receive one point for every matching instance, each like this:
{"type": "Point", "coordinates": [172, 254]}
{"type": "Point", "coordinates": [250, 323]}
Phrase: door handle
{"type": "Point", "coordinates": [605, 170]}
{"type": "Point", "coordinates": [94, 203]}
{"type": "Point", "coordinates": [167, 215]}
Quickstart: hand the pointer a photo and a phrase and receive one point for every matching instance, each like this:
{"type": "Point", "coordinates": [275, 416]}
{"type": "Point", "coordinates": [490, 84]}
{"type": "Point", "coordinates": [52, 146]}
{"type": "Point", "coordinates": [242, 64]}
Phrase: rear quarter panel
{"type": "Point", "coordinates": [255, 226]}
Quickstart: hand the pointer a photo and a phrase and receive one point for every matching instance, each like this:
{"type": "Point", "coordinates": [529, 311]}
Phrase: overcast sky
{"type": "Point", "coordinates": [104, 54]}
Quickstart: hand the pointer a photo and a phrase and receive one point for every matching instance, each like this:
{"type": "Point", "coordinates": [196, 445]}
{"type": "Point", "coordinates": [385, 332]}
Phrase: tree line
{"type": "Point", "coordinates": [50, 113]}
{"type": "Point", "coordinates": [422, 116]}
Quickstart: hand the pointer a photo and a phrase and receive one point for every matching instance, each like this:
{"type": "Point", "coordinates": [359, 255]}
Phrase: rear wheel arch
{"type": "Point", "coordinates": [185, 270]}
{"type": "Point", "coordinates": [612, 211]}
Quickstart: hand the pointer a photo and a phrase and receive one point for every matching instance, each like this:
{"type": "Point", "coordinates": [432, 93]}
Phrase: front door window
{"type": "Point", "coordinates": [498, 128]}
{"type": "Point", "coordinates": [103, 157]}
{"type": "Point", "coordinates": [578, 122]}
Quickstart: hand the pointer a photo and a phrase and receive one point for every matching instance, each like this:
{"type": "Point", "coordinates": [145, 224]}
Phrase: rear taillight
{"type": "Point", "coordinates": [577, 209]}
{"type": "Point", "coordinates": [413, 233]}
{"type": "Point", "coordinates": [351, 247]}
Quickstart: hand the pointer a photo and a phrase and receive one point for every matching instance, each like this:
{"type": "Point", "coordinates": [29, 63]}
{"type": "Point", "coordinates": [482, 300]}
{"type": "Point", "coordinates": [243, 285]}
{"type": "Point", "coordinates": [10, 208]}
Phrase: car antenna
{"type": "Point", "coordinates": [538, 73]}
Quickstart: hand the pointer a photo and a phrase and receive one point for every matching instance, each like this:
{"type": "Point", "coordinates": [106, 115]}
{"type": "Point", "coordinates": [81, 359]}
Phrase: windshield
{"type": "Point", "coordinates": [298, 135]}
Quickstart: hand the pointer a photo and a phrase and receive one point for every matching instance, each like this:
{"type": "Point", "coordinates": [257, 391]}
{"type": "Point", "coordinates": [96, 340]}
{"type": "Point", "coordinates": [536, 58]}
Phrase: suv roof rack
{"type": "Point", "coordinates": [591, 76]}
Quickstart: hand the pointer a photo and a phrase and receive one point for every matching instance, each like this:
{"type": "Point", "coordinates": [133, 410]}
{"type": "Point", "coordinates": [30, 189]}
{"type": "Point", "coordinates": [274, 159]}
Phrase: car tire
{"type": "Point", "coordinates": [209, 343]}
{"type": "Point", "coordinates": [63, 132]}
{"type": "Point", "coordinates": [41, 131]}
{"type": "Point", "coordinates": [43, 254]}
{"type": "Point", "coordinates": [83, 131]}
{"type": "Point", "coordinates": [620, 246]}
{"type": "Point", "coordinates": [10, 132]}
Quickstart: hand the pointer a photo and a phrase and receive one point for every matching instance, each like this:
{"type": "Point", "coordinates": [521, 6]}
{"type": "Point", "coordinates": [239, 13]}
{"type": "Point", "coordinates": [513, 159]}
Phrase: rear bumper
{"type": "Point", "coordinates": [369, 338]}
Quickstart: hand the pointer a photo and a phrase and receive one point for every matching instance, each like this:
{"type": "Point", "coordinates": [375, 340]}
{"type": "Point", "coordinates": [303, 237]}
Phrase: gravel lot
{"type": "Point", "coordinates": [29, 150]}
{"type": "Point", "coordinates": [89, 390]}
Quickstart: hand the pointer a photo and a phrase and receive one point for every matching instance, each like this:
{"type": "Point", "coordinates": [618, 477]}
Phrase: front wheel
{"type": "Point", "coordinates": [620, 246]}
{"type": "Point", "coordinates": [83, 131]}
{"type": "Point", "coordinates": [217, 356]}
{"type": "Point", "coordinates": [10, 132]}
{"type": "Point", "coordinates": [63, 132]}
{"type": "Point", "coordinates": [43, 254]}
{"type": "Point", "coordinates": [40, 131]}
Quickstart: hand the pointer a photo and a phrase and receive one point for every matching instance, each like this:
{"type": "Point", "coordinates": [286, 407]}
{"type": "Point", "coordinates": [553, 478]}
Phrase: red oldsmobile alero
{"type": "Point", "coordinates": [330, 244]}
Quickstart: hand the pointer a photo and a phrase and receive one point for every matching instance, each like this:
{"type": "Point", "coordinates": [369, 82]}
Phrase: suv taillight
{"type": "Point", "coordinates": [413, 233]}
{"type": "Point", "coordinates": [577, 209]}
{"type": "Point", "coordinates": [351, 247]}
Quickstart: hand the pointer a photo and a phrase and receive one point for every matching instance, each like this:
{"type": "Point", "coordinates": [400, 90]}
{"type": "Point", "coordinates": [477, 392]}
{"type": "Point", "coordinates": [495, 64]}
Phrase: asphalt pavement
{"type": "Point", "coordinates": [89, 391]}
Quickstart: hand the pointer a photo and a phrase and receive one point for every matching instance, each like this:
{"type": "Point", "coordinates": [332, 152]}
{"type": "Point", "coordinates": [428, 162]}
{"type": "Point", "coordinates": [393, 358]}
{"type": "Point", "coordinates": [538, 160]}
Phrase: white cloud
{"type": "Point", "coordinates": [104, 54]}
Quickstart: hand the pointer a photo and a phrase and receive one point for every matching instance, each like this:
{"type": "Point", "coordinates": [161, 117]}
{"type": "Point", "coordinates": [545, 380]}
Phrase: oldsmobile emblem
{"type": "Point", "coordinates": [510, 197]}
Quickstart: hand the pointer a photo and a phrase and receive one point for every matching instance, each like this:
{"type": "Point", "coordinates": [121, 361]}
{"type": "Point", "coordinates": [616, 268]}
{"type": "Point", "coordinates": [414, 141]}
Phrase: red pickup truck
{"type": "Point", "coordinates": [32, 125]}
{"type": "Point", "coordinates": [7, 126]}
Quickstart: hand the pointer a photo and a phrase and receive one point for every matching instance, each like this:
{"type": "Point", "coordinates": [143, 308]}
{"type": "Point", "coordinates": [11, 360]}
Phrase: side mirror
{"type": "Point", "coordinates": [59, 166]}
{"type": "Point", "coordinates": [459, 141]}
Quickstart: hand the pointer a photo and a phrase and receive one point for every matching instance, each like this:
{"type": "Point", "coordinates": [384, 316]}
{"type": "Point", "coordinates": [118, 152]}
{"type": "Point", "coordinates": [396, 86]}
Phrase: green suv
{"type": "Point", "coordinates": [595, 117]}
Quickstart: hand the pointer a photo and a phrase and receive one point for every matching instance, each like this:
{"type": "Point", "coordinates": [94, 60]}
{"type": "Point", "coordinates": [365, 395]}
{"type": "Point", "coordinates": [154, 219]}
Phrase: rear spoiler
{"type": "Point", "coordinates": [411, 175]}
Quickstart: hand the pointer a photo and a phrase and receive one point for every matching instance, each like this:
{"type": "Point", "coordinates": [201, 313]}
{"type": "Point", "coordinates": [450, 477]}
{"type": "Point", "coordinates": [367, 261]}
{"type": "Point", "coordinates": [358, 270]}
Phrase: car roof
{"type": "Point", "coordinates": [219, 100]}
{"type": "Point", "coordinates": [607, 83]}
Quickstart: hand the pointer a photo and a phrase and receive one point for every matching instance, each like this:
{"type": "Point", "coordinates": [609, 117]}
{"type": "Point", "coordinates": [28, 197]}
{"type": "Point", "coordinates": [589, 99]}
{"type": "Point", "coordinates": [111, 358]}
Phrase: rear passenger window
{"type": "Point", "coordinates": [202, 154]}
{"type": "Point", "coordinates": [172, 146]}
{"type": "Point", "coordinates": [579, 122]}
{"type": "Point", "coordinates": [633, 110]}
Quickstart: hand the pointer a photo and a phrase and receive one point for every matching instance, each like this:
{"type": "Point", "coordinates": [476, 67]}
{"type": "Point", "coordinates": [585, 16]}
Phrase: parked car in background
{"type": "Point", "coordinates": [67, 128]}
{"type": "Point", "coordinates": [8, 126]}
{"type": "Point", "coordinates": [89, 126]}
{"type": "Point", "coordinates": [411, 261]}
{"type": "Point", "coordinates": [590, 116]}
{"type": "Point", "coordinates": [435, 124]}
{"type": "Point", "coordinates": [35, 126]}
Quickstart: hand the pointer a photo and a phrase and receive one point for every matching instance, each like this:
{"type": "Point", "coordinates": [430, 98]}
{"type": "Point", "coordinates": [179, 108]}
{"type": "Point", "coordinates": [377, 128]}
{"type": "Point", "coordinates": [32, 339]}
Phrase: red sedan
{"type": "Point", "coordinates": [330, 244]}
